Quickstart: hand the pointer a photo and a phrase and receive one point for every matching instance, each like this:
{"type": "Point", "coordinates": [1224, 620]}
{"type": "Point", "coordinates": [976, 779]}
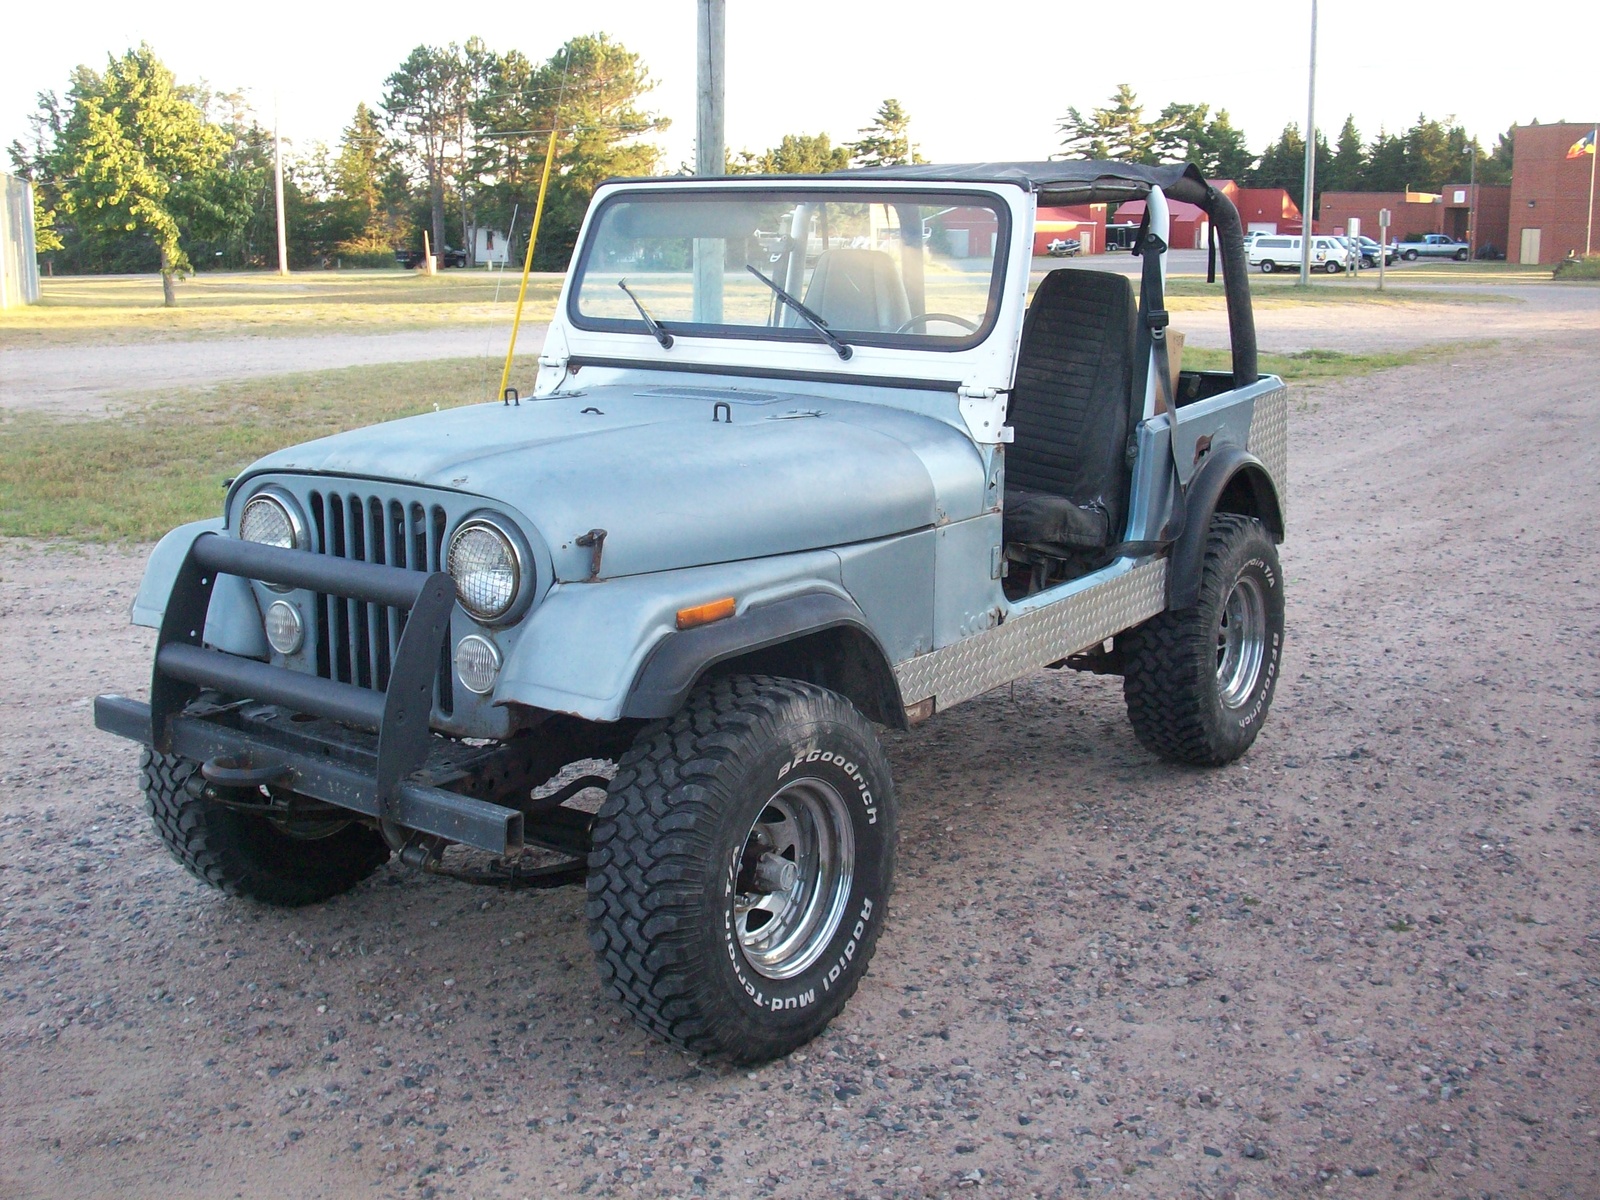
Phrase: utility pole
{"type": "Point", "coordinates": [1472, 201]}
{"type": "Point", "coordinates": [1308, 199]}
{"type": "Point", "coordinates": [277, 189]}
{"type": "Point", "coordinates": [710, 155]}
{"type": "Point", "coordinates": [710, 152]}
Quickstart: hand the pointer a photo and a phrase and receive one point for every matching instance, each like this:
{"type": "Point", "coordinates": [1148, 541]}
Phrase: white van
{"type": "Point", "coordinates": [1281, 252]}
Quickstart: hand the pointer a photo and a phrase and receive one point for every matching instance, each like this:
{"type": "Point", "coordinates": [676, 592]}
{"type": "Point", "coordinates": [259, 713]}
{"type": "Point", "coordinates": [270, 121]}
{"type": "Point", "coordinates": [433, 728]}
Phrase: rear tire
{"type": "Point", "coordinates": [246, 855]}
{"type": "Point", "coordinates": [1199, 682]}
{"type": "Point", "coordinates": [741, 867]}
{"type": "Point", "coordinates": [1461, 256]}
{"type": "Point", "coordinates": [1268, 266]}
{"type": "Point", "coordinates": [1409, 255]}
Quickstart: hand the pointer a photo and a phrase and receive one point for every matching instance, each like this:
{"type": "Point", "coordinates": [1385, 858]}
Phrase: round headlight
{"type": "Point", "coordinates": [487, 568]}
{"type": "Point", "coordinates": [270, 520]}
{"type": "Point", "coordinates": [477, 663]}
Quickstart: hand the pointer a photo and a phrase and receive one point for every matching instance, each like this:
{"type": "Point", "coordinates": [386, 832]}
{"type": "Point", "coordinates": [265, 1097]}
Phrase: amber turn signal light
{"type": "Point", "coordinates": [704, 614]}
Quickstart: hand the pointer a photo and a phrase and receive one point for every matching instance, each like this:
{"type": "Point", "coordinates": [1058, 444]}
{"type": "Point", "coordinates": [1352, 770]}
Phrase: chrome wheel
{"type": "Point", "coordinates": [793, 878]}
{"type": "Point", "coordinates": [1241, 641]}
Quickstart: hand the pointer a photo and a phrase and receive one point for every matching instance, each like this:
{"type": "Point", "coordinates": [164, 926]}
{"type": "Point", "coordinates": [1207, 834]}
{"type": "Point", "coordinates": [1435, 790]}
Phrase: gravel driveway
{"type": "Point", "coordinates": [86, 380]}
{"type": "Point", "coordinates": [1364, 961]}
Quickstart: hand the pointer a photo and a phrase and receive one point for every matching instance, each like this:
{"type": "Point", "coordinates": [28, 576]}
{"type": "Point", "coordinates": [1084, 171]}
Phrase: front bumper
{"type": "Point", "coordinates": [250, 723]}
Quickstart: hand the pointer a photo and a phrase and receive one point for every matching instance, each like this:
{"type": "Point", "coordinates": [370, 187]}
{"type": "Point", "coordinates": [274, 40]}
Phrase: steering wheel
{"type": "Point", "coordinates": [924, 318]}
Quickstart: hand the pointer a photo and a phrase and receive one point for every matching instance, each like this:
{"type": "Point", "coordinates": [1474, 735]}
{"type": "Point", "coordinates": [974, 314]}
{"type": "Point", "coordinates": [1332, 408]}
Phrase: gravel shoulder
{"type": "Point", "coordinates": [86, 381]}
{"type": "Point", "coordinates": [1363, 961]}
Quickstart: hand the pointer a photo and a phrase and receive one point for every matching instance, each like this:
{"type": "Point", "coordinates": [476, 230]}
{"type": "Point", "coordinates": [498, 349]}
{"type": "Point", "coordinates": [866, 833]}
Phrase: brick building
{"type": "Point", "coordinates": [1476, 213]}
{"type": "Point", "coordinates": [1549, 194]}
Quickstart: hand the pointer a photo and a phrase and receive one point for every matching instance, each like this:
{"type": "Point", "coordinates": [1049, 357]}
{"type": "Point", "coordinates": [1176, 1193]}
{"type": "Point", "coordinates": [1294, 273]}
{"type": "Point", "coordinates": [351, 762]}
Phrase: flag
{"type": "Point", "coordinates": [1584, 145]}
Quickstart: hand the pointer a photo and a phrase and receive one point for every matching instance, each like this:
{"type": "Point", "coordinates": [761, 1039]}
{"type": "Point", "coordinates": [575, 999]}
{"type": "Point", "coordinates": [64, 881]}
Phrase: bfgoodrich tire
{"type": "Point", "coordinates": [246, 855]}
{"type": "Point", "coordinates": [1199, 681]}
{"type": "Point", "coordinates": [741, 867]}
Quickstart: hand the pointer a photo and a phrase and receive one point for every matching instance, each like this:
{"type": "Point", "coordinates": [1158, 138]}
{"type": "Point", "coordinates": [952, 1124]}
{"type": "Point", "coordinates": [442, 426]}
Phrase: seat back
{"type": "Point", "coordinates": [858, 289]}
{"type": "Point", "coordinates": [1072, 406]}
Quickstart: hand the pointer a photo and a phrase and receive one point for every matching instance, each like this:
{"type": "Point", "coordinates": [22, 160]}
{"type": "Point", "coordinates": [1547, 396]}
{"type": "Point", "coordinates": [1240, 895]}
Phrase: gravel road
{"type": "Point", "coordinates": [87, 380]}
{"type": "Point", "coordinates": [1364, 961]}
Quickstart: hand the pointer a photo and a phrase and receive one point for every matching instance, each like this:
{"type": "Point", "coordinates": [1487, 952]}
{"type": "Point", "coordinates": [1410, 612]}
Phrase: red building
{"type": "Point", "coordinates": [1085, 222]}
{"type": "Point", "coordinates": [1473, 213]}
{"type": "Point", "coordinates": [1550, 195]}
{"type": "Point", "coordinates": [1269, 210]}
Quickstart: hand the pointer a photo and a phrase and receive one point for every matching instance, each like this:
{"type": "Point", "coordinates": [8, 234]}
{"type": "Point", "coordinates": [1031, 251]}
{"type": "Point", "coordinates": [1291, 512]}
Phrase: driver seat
{"type": "Point", "coordinates": [858, 290]}
{"type": "Point", "coordinates": [1067, 474]}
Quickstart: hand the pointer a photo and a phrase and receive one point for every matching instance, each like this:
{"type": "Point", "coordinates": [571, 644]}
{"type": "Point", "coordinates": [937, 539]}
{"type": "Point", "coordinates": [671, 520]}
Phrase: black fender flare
{"type": "Point", "coordinates": [1227, 471]}
{"type": "Point", "coordinates": [679, 660]}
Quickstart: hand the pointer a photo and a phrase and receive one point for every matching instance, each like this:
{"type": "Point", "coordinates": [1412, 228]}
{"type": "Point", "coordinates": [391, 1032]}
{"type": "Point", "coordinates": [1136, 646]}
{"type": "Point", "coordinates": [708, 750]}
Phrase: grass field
{"type": "Point", "coordinates": [125, 308]}
{"type": "Point", "coordinates": [137, 475]}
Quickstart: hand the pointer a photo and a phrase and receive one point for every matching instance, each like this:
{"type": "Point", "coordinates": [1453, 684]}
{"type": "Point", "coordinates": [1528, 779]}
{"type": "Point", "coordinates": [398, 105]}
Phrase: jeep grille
{"type": "Point", "coordinates": [356, 641]}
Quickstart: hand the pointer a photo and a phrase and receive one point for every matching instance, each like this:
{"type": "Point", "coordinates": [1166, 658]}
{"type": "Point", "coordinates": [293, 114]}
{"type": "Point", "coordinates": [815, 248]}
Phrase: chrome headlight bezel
{"type": "Point", "coordinates": [288, 506]}
{"type": "Point", "coordinates": [521, 560]}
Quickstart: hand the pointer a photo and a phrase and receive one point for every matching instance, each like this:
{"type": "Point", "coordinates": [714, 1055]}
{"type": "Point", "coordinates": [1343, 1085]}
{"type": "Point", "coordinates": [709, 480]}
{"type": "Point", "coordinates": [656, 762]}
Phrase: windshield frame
{"type": "Point", "coordinates": [801, 192]}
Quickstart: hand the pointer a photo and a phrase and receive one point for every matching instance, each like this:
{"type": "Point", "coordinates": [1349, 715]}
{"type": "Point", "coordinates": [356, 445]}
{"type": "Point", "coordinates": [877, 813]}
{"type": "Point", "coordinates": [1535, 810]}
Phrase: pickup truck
{"type": "Point", "coordinates": [1435, 245]}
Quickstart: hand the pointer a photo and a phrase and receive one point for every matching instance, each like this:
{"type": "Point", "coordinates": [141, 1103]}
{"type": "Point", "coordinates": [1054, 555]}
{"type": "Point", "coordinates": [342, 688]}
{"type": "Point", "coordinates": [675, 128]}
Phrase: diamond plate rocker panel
{"type": "Point", "coordinates": [1269, 440]}
{"type": "Point", "coordinates": [1031, 639]}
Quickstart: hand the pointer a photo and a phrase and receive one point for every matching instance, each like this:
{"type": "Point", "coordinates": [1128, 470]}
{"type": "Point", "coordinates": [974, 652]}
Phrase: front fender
{"type": "Point", "coordinates": [581, 648]}
{"type": "Point", "coordinates": [233, 622]}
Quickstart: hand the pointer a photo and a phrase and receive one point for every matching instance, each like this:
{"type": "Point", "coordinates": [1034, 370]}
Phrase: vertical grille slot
{"type": "Point", "coordinates": [357, 640]}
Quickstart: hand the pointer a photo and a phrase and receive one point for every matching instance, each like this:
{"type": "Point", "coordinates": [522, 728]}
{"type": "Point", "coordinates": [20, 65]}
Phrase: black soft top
{"type": "Point", "coordinates": [1067, 181]}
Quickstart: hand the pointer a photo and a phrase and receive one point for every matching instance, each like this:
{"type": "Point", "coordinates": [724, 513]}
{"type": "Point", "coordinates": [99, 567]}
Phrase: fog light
{"type": "Point", "coordinates": [477, 663]}
{"type": "Point", "coordinates": [285, 631]}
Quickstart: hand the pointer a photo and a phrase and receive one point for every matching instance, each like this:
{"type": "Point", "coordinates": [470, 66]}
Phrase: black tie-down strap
{"type": "Point", "coordinates": [1151, 341]}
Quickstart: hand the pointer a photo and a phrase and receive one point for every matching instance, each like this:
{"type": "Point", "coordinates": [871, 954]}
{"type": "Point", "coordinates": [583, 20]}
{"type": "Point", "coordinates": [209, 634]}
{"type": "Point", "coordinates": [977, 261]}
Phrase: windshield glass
{"type": "Point", "coordinates": [892, 269]}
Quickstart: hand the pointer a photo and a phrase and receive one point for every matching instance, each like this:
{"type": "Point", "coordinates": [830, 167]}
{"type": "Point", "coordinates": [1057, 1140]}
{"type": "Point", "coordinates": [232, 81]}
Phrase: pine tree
{"type": "Point", "coordinates": [1117, 132]}
{"type": "Point", "coordinates": [1349, 164]}
{"type": "Point", "coordinates": [887, 141]}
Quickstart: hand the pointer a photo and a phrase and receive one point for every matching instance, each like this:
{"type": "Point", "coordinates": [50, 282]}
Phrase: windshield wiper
{"type": "Point", "coordinates": [654, 326]}
{"type": "Point", "coordinates": [811, 318]}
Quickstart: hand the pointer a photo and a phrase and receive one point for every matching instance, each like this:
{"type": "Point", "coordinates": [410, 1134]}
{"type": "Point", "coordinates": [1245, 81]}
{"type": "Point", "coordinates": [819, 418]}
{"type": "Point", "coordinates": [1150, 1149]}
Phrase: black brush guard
{"type": "Point", "coordinates": [240, 749]}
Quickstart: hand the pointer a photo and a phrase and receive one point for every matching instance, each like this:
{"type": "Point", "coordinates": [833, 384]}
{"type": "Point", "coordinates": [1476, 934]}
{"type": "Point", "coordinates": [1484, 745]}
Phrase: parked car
{"type": "Point", "coordinates": [1435, 245]}
{"type": "Point", "coordinates": [1281, 252]}
{"type": "Point", "coordinates": [1372, 250]}
{"type": "Point", "coordinates": [412, 258]}
{"type": "Point", "coordinates": [1064, 247]}
{"type": "Point", "coordinates": [742, 518]}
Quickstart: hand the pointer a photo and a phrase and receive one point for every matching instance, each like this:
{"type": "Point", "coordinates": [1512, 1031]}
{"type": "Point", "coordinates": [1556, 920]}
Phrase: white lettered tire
{"type": "Point", "coordinates": [741, 867]}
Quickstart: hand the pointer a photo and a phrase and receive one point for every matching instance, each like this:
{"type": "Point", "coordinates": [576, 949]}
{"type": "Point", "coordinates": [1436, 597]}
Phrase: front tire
{"type": "Point", "coordinates": [1199, 682]}
{"type": "Point", "coordinates": [247, 855]}
{"type": "Point", "coordinates": [741, 867]}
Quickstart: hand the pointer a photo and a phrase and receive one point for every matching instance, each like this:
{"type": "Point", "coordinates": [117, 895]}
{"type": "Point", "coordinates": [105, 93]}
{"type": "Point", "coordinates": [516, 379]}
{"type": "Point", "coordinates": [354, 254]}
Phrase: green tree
{"type": "Point", "coordinates": [45, 237]}
{"type": "Point", "coordinates": [1117, 132]}
{"type": "Point", "coordinates": [796, 154]}
{"type": "Point", "coordinates": [887, 141]}
{"type": "Point", "coordinates": [1189, 133]}
{"type": "Point", "coordinates": [364, 176]}
{"type": "Point", "coordinates": [1348, 169]}
{"type": "Point", "coordinates": [130, 152]}
{"type": "Point", "coordinates": [1386, 169]}
{"type": "Point", "coordinates": [429, 99]}
{"type": "Point", "coordinates": [1495, 167]}
{"type": "Point", "coordinates": [1283, 165]}
{"type": "Point", "coordinates": [591, 90]}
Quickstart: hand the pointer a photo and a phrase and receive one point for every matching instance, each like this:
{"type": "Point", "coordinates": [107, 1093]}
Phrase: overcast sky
{"type": "Point", "coordinates": [981, 81]}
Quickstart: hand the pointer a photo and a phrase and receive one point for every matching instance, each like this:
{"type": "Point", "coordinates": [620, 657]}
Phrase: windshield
{"type": "Point", "coordinates": [896, 269]}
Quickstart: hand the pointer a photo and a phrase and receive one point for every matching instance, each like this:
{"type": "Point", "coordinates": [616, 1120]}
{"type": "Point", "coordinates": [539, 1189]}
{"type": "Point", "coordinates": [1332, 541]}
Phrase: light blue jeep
{"type": "Point", "coordinates": [802, 458]}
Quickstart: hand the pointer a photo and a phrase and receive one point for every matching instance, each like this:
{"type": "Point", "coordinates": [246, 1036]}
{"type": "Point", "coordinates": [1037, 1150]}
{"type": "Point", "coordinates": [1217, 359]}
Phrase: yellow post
{"type": "Point", "coordinates": [527, 263]}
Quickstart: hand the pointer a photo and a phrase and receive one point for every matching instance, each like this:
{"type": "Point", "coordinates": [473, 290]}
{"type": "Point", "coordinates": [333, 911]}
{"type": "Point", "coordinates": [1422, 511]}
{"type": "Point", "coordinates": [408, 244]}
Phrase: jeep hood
{"type": "Point", "coordinates": [671, 486]}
